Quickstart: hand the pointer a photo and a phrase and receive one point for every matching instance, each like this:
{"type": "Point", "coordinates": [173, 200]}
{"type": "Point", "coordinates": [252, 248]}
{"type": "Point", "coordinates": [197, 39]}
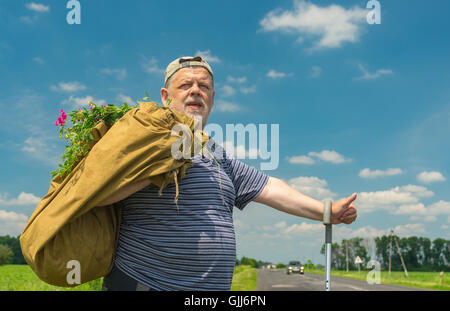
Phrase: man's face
{"type": "Point", "coordinates": [191, 91]}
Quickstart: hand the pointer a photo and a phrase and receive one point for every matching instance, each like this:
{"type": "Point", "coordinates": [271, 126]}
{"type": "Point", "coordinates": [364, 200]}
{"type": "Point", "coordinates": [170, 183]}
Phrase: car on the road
{"type": "Point", "coordinates": [295, 267]}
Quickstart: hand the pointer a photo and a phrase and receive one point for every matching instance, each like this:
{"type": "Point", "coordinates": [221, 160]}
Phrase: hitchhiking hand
{"type": "Point", "coordinates": [344, 211]}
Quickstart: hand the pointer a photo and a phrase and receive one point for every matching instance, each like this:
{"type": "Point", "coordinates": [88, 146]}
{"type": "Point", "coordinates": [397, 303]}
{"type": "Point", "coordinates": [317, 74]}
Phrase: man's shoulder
{"type": "Point", "coordinates": [212, 148]}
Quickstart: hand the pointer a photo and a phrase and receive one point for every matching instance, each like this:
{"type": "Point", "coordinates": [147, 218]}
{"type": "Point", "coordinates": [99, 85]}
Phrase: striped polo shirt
{"type": "Point", "coordinates": [189, 245]}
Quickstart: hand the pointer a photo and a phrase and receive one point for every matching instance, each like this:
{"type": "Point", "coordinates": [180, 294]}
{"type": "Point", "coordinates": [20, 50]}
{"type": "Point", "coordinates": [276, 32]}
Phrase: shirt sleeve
{"type": "Point", "coordinates": [248, 182]}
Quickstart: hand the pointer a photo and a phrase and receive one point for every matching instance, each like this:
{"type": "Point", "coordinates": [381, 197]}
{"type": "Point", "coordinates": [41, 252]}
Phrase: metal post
{"type": "Point", "coordinates": [327, 223]}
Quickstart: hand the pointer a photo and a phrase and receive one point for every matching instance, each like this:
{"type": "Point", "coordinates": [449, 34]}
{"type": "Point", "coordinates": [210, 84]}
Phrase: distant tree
{"type": "Point", "coordinates": [249, 261]}
{"type": "Point", "coordinates": [355, 249]}
{"type": "Point", "coordinates": [281, 266]}
{"type": "Point", "coordinates": [337, 257]}
{"type": "Point", "coordinates": [441, 254]}
{"type": "Point", "coordinates": [5, 254]}
{"type": "Point", "coordinates": [14, 244]}
{"type": "Point", "coordinates": [262, 263]}
{"type": "Point", "coordinates": [382, 251]}
{"type": "Point", "coordinates": [338, 253]}
{"type": "Point", "coordinates": [309, 265]}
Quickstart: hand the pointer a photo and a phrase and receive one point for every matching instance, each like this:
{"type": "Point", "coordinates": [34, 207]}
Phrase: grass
{"type": "Point", "coordinates": [22, 278]}
{"type": "Point", "coordinates": [417, 279]}
{"type": "Point", "coordinates": [244, 278]}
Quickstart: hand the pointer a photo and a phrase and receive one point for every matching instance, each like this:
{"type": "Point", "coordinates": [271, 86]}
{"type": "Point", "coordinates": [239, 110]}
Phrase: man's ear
{"type": "Point", "coordinates": [164, 96]}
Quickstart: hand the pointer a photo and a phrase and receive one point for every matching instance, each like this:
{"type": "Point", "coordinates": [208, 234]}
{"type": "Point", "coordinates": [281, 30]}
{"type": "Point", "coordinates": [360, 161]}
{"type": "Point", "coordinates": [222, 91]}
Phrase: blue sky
{"type": "Point", "coordinates": [361, 108]}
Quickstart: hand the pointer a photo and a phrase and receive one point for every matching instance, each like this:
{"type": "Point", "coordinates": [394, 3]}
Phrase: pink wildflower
{"type": "Point", "coordinates": [61, 119]}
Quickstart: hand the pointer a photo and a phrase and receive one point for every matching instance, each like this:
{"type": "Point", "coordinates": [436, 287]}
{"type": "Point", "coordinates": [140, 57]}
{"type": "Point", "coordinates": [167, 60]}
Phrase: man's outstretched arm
{"type": "Point", "coordinates": [281, 196]}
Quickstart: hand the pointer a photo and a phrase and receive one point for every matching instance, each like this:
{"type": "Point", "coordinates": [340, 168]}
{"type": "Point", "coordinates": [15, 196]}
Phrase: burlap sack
{"type": "Point", "coordinates": [68, 223]}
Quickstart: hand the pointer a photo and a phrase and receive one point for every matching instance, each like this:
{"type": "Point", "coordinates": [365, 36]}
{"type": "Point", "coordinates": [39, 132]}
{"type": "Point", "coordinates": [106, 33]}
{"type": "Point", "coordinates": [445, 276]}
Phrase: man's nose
{"type": "Point", "coordinates": [195, 90]}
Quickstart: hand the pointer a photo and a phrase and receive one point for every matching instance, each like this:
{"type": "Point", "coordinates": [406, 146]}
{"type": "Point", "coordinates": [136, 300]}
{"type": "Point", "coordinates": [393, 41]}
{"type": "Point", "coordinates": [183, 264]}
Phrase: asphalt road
{"type": "Point", "coordinates": [278, 280]}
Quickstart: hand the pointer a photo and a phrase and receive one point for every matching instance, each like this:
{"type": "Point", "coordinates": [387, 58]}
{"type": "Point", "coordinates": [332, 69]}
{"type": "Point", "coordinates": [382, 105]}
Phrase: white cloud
{"type": "Point", "coordinates": [12, 223]}
{"type": "Point", "coordinates": [331, 25]}
{"type": "Point", "coordinates": [151, 66]}
{"type": "Point", "coordinates": [418, 208]}
{"type": "Point", "coordinates": [275, 75]}
{"type": "Point", "coordinates": [409, 230]}
{"type": "Point", "coordinates": [281, 230]}
{"type": "Point", "coordinates": [239, 80]}
{"type": "Point", "coordinates": [325, 155]}
{"type": "Point", "coordinates": [225, 106]}
{"type": "Point", "coordinates": [248, 90]}
{"type": "Point", "coordinates": [68, 87]}
{"type": "Point", "coordinates": [28, 19]}
{"type": "Point", "coordinates": [239, 152]}
{"type": "Point", "coordinates": [371, 76]}
{"type": "Point", "coordinates": [367, 173]}
{"type": "Point", "coordinates": [330, 156]}
{"type": "Point", "coordinates": [37, 7]}
{"type": "Point", "coordinates": [345, 232]}
{"type": "Point", "coordinates": [38, 148]}
{"type": "Point", "coordinates": [316, 71]}
{"type": "Point", "coordinates": [38, 60]}
{"type": "Point", "coordinates": [125, 99]}
{"type": "Point", "coordinates": [207, 56]}
{"type": "Point", "coordinates": [301, 160]}
{"type": "Point", "coordinates": [438, 208]}
{"type": "Point", "coordinates": [430, 218]}
{"type": "Point", "coordinates": [37, 128]}
{"type": "Point", "coordinates": [119, 73]}
{"type": "Point", "coordinates": [369, 232]}
{"type": "Point", "coordinates": [227, 91]}
{"type": "Point", "coordinates": [77, 102]}
{"type": "Point", "coordinates": [303, 229]}
{"type": "Point", "coordinates": [398, 200]}
{"type": "Point", "coordinates": [314, 231]}
{"type": "Point", "coordinates": [23, 199]}
{"type": "Point", "coordinates": [311, 186]}
{"type": "Point", "coordinates": [419, 191]}
{"type": "Point", "coordinates": [429, 177]}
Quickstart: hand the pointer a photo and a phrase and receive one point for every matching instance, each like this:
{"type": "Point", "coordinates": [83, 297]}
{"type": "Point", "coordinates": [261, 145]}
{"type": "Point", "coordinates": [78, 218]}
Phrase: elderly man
{"type": "Point", "coordinates": [191, 246]}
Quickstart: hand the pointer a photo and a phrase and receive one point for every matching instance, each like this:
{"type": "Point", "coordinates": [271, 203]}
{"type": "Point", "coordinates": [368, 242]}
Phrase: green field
{"type": "Point", "coordinates": [244, 278]}
{"type": "Point", "coordinates": [428, 280]}
{"type": "Point", "coordinates": [22, 278]}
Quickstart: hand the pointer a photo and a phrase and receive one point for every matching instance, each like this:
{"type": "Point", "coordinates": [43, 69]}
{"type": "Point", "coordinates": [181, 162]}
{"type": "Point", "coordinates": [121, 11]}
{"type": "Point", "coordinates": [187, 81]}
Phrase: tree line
{"type": "Point", "coordinates": [10, 251]}
{"type": "Point", "coordinates": [418, 253]}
